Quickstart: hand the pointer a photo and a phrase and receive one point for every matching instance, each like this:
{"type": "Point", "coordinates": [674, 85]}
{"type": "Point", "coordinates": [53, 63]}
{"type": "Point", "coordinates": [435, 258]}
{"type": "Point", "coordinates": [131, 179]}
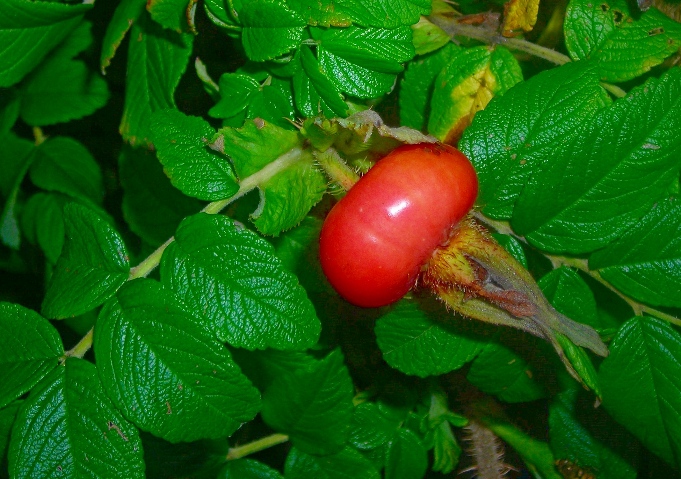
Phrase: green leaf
{"type": "Point", "coordinates": [466, 85]}
{"type": "Point", "coordinates": [248, 469]}
{"type": "Point", "coordinates": [222, 14]}
{"type": "Point", "coordinates": [424, 343]}
{"type": "Point", "coordinates": [181, 143]}
{"type": "Point", "coordinates": [68, 428]}
{"type": "Point", "coordinates": [7, 417]}
{"type": "Point", "coordinates": [641, 382]}
{"type": "Point", "coordinates": [274, 103]}
{"type": "Point", "coordinates": [513, 246]}
{"type": "Point", "coordinates": [428, 37]}
{"type": "Point", "coordinates": [152, 207]}
{"type": "Point", "coordinates": [622, 44]}
{"type": "Point", "coordinates": [298, 250]}
{"type": "Point", "coordinates": [64, 165]}
{"type": "Point", "coordinates": [313, 406]}
{"type": "Point", "coordinates": [378, 49]}
{"type": "Point", "coordinates": [242, 97]}
{"type": "Point", "coordinates": [10, 104]}
{"type": "Point", "coordinates": [61, 89]}
{"type": "Point", "coordinates": [572, 440]}
{"type": "Point", "coordinates": [165, 371]}
{"type": "Point", "coordinates": [29, 30]}
{"type": "Point", "coordinates": [609, 175]}
{"type": "Point", "coordinates": [446, 450]}
{"type": "Point", "coordinates": [516, 134]}
{"type": "Point", "coordinates": [31, 347]}
{"type": "Point", "coordinates": [18, 156]}
{"type": "Point", "coordinates": [255, 145]}
{"type": "Point", "coordinates": [264, 366]}
{"type": "Point", "coordinates": [314, 92]}
{"type": "Point", "coordinates": [93, 265]}
{"type": "Point", "coordinates": [42, 222]}
{"type": "Point", "coordinates": [126, 13]}
{"type": "Point", "coordinates": [320, 12]}
{"type": "Point", "coordinates": [645, 262]}
{"type": "Point", "coordinates": [286, 197]}
{"type": "Point", "coordinates": [347, 464]}
{"type": "Point", "coordinates": [237, 286]}
{"type": "Point", "coordinates": [418, 83]}
{"type": "Point", "coordinates": [270, 29]}
{"type": "Point", "coordinates": [570, 295]}
{"type": "Point", "coordinates": [364, 61]}
{"type": "Point", "coordinates": [499, 370]}
{"type": "Point", "coordinates": [370, 427]}
{"type": "Point", "coordinates": [236, 90]}
{"type": "Point", "coordinates": [153, 50]}
{"type": "Point", "coordinates": [177, 15]}
{"type": "Point", "coordinates": [536, 454]}
{"type": "Point", "coordinates": [407, 458]}
{"type": "Point", "coordinates": [384, 13]}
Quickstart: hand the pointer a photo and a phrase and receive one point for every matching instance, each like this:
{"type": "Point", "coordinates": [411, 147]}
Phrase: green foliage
{"type": "Point", "coordinates": [165, 371]}
{"type": "Point", "coordinates": [645, 352]}
{"type": "Point", "coordinates": [421, 343]}
{"type": "Point", "coordinates": [181, 147]}
{"type": "Point", "coordinates": [238, 345]}
{"type": "Point", "coordinates": [247, 299]}
{"type": "Point", "coordinates": [88, 436]}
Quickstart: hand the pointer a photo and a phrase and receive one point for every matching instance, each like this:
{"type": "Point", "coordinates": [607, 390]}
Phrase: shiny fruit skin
{"type": "Point", "coordinates": [376, 239]}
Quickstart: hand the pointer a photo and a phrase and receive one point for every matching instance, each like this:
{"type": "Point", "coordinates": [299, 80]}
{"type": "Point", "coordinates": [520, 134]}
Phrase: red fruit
{"type": "Point", "coordinates": [376, 239]}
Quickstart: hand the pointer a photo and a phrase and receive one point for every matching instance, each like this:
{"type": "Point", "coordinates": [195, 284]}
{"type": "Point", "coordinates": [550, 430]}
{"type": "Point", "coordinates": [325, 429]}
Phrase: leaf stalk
{"type": "Point", "coordinates": [152, 261]}
{"type": "Point", "coordinates": [256, 446]}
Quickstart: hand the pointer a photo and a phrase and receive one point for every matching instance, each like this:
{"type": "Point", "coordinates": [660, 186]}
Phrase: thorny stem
{"type": "Point", "coordinates": [256, 446]}
{"type": "Point", "coordinates": [583, 265]}
{"type": "Point", "coordinates": [152, 261]}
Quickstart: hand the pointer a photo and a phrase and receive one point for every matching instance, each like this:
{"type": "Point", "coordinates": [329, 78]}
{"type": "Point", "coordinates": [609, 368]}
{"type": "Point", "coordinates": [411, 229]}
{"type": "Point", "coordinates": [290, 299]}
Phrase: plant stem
{"type": "Point", "coordinates": [246, 185]}
{"type": "Point", "coordinates": [614, 90]}
{"type": "Point", "coordinates": [258, 178]}
{"type": "Point", "coordinates": [38, 135]}
{"type": "Point", "coordinates": [489, 36]}
{"type": "Point", "coordinates": [256, 446]}
{"type": "Point", "coordinates": [639, 309]}
{"type": "Point", "coordinates": [337, 169]}
{"type": "Point", "coordinates": [583, 265]}
{"type": "Point", "coordinates": [79, 350]}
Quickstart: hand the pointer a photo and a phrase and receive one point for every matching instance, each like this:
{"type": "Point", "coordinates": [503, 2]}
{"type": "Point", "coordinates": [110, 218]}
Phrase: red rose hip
{"type": "Point", "coordinates": [376, 239]}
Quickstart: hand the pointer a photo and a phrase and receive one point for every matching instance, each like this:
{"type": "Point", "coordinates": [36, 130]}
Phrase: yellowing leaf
{"type": "Point", "coordinates": [466, 86]}
{"type": "Point", "coordinates": [519, 15]}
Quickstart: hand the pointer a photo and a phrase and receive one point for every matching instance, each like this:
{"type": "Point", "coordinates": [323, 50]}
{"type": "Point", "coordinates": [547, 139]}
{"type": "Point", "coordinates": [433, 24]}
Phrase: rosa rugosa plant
{"type": "Point", "coordinates": [165, 174]}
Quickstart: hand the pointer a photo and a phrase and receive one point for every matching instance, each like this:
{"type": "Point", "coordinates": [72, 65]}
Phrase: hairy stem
{"type": "Point", "coordinates": [256, 446]}
{"type": "Point", "coordinates": [337, 169]}
{"type": "Point", "coordinates": [246, 185]}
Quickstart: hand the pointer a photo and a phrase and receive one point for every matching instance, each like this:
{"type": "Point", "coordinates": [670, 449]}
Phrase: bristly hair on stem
{"type": "Point", "coordinates": [487, 452]}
